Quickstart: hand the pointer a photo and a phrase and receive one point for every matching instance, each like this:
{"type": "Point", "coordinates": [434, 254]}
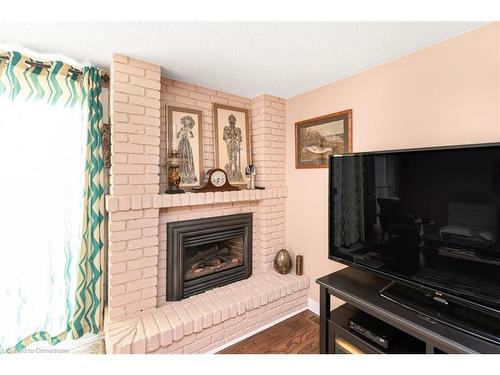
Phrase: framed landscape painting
{"type": "Point", "coordinates": [232, 141]}
{"type": "Point", "coordinates": [317, 138]}
{"type": "Point", "coordinates": [184, 134]}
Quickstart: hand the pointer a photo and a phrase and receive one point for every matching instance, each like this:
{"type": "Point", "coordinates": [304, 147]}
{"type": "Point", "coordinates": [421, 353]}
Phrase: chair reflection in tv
{"type": "Point", "coordinates": [470, 225]}
{"type": "Point", "coordinates": [394, 222]}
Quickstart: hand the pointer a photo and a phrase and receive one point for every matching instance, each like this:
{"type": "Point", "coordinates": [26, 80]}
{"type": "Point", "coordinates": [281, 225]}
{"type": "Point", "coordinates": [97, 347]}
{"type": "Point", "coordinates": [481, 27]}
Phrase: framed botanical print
{"type": "Point", "coordinates": [232, 141]}
{"type": "Point", "coordinates": [317, 138]}
{"type": "Point", "coordinates": [185, 134]}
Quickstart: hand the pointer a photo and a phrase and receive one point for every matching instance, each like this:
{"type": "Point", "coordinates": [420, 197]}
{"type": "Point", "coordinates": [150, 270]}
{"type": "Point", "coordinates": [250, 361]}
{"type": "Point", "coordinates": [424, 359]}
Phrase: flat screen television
{"type": "Point", "coordinates": [429, 220]}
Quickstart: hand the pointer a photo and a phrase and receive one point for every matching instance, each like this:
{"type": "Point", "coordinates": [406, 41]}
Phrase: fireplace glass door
{"type": "Point", "coordinates": [205, 259]}
{"type": "Point", "coordinates": [207, 253]}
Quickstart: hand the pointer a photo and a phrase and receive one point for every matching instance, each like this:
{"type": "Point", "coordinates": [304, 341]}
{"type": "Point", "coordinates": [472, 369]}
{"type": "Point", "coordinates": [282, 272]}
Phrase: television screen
{"type": "Point", "coordinates": [425, 217]}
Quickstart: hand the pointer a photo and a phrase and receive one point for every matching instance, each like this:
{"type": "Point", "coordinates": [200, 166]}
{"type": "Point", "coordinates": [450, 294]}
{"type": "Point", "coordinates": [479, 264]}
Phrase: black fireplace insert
{"type": "Point", "coordinates": [206, 253]}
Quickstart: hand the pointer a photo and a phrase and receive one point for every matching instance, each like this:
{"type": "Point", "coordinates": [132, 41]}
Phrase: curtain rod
{"type": "Point", "coordinates": [72, 70]}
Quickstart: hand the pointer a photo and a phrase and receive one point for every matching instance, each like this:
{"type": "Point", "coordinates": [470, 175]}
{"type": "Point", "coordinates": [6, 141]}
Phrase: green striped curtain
{"type": "Point", "coordinates": [56, 84]}
{"type": "Point", "coordinates": [88, 316]}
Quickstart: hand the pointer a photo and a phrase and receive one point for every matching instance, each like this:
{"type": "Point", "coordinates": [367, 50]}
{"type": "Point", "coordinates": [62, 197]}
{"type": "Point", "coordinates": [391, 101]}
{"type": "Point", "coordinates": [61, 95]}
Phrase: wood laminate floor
{"type": "Point", "coordinates": [296, 335]}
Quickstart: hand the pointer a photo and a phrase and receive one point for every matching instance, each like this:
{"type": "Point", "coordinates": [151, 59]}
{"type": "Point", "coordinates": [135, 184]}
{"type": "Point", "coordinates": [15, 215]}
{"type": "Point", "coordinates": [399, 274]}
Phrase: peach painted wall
{"type": "Point", "coordinates": [445, 94]}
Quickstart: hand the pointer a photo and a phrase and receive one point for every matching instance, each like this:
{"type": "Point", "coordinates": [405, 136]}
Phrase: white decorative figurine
{"type": "Point", "coordinates": [250, 172]}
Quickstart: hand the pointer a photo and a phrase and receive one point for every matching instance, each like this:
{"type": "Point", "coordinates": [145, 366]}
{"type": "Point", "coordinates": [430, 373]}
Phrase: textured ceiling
{"type": "Point", "coordinates": [248, 59]}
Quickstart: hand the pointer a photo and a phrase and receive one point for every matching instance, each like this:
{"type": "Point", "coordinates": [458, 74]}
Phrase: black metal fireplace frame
{"type": "Point", "coordinates": [180, 232]}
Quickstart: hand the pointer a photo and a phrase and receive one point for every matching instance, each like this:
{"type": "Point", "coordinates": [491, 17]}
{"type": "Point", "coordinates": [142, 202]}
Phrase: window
{"type": "Point", "coordinates": [42, 153]}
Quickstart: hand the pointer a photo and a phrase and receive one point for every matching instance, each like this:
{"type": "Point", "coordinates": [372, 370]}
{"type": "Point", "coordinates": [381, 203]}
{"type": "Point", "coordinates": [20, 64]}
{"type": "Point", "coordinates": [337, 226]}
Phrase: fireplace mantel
{"type": "Point", "coordinates": [139, 202]}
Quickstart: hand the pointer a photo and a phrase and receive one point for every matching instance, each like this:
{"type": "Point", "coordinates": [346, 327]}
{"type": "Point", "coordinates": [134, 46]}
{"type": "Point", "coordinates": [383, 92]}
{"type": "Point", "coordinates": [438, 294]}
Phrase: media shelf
{"type": "Point", "coordinates": [419, 333]}
{"type": "Point", "coordinates": [340, 333]}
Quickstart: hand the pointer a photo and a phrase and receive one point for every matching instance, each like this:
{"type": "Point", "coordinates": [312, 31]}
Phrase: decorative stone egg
{"type": "Point", "coordinates": [282, 262]}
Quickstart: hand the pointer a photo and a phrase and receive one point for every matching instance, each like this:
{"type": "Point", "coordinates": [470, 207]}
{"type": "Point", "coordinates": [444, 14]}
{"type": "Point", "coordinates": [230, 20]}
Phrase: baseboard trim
{"type": "Point", "coordinates": [261, 328]}
{"type": "Point", "coordinates": [313, 306]}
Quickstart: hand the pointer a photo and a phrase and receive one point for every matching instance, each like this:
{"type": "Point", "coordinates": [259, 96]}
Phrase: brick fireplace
{"type": "Point", "coordinates": [139, 318]}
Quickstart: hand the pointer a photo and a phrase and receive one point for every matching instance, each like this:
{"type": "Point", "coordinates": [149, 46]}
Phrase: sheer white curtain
{"type": "Point", "coordinates": [42, 158]}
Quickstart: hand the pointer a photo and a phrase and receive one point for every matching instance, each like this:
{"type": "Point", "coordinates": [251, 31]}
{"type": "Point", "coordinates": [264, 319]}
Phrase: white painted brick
{"type": "Point", "coordinates": [175, 322]}
{"type": "Point", "coordinates": [148, 127]}
{"type": "Point", "coordinates": [165, 328]}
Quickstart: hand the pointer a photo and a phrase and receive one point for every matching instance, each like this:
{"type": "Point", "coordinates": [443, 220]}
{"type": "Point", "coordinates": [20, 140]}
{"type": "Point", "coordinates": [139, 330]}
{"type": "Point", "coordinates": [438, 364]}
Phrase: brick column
{"type": "Point", "coordinates": [268, 140]}
{"type": "Point", "coordinates": [268, 153]}
{"type": "Point", "coordinates": [135, 149]}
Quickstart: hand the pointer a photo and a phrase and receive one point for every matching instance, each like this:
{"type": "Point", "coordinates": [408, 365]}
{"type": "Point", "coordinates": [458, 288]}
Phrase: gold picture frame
{"type": "Point", "coordinates": [319, 137]}
{"type": "Point", "coordinates": [185, 134]}
{"type": "Point", "coordinates": [232, 141]}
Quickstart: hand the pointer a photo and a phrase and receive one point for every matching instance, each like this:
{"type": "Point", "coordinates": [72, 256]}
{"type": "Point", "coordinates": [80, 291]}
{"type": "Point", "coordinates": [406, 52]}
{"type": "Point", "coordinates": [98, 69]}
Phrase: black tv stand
{"type": "Point", "coordinates": [458, 315]}
{"type": "Point", "coordinates": [419, 332]}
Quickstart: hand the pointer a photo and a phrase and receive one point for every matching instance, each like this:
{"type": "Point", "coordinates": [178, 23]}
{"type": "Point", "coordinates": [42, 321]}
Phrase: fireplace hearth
{"type": "Point", "coordinates": [206, 253]}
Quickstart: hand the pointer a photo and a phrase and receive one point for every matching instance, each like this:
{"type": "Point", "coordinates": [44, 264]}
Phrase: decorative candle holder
{"type": "Point", "coordinates": [299, 265]}
{"type": "Point", "coordinates": [174, 178]}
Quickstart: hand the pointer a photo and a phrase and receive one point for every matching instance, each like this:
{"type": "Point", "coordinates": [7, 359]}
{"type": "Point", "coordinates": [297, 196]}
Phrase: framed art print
{"type": "Point", "coordinates": [185, 134]}
{"type": "Point", "coordinates": [232, 141]}
{"type": "Point", "coordinates": [317, 138]}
